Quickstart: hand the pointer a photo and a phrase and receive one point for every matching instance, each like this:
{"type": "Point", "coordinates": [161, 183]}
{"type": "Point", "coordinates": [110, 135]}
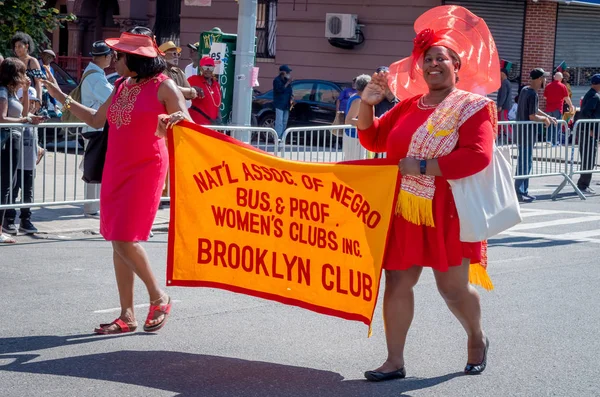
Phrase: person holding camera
{"type": "Point", "coordinates": [12, 77]}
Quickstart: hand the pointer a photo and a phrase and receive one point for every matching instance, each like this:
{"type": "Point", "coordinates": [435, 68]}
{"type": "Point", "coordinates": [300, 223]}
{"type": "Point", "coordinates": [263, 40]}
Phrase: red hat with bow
{"type": "Point", "coordinates": [136, 44]}
{"type": "Point", "coordinates": [460, 30]}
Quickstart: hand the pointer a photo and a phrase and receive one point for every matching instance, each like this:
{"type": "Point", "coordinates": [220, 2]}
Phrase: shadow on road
{"type": "Point", "coordinates": [196, 374]}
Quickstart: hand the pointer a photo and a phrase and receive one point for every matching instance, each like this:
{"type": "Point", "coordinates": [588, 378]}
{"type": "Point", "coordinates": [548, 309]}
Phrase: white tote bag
{"type": "Point", "coordinates": [486, 202]}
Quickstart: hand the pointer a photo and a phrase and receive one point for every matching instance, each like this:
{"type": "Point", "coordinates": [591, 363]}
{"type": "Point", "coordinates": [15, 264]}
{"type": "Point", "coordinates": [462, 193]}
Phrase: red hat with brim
{"type": "Point", "coordinates": [460, 30]}
{"type": "Point", "coordinates": [136, 44]}
{"type": "Point", "coordinates": [207, 61]}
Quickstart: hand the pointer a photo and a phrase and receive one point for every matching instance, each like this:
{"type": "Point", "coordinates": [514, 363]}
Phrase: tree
{"type": "Point", "coordinates": [31, 17]}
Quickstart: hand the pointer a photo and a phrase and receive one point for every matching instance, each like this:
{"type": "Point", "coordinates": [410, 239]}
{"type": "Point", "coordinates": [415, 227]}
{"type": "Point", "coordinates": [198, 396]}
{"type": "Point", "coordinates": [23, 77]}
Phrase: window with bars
{"type": "Point", "coordinates": [266, 27]}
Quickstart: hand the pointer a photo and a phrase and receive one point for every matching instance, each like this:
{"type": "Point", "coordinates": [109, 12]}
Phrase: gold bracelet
{"type": "Point", "coordinates": [68, 100]}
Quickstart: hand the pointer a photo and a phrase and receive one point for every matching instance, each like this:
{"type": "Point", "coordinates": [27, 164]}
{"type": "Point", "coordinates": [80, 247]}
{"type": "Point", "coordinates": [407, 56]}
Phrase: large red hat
{"type": "Point", "coordinates": [137, 44]}
{"type": "Point", "coordinates": [459, 29]}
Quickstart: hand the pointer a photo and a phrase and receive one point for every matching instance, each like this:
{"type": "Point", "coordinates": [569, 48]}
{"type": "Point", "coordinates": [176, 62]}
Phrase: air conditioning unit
{"type": "Point", "coordinates": [340, 26]}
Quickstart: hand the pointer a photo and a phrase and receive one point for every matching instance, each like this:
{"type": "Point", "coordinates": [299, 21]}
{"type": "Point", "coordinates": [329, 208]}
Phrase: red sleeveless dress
{"type": "Point", "coordinates": [136, 162]}
{"type": "Point", "coordinates": [437, 247]}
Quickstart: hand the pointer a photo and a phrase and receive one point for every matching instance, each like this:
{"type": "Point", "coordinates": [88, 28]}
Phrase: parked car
{"type": "Point", "coordinates": [314, 104]}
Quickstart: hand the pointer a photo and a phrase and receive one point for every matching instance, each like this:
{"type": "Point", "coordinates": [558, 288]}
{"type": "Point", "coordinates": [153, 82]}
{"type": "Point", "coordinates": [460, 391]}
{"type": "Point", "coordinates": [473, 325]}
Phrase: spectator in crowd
{"type": "Point", "coordinates": [342, 101]}
{"type": "Point", "coordinates": [48, 57]}
{"type": "Point", "coordinates": [556, 95]}
{"type": "Point", "coordinates": [206, 107]}
{"type": "Point", "coordinates": [95, 90]}
{"type": "Point", "coordinates": [352, 148]}
{"type": "Point", "coordinates": [172, 55]}
{"type": "Point", "coordinates": [25, 170]}
{"type": "Point", "coordinates": [12, 77]}
{"type": "Point", "coordinates": [282, 98]}
{"type": "Point", "coordinates": [192, 68]}
{"type": "Point", "coordinates": [504, 99]}
{"type": "Point", "coordinates": [390, 99]}
{"type": "Point", "coordinates": [567, 115]}
{"type": "Point", "coordinates": [528, 110]}
{"type": "Point", "coordinates": [588, 138]}
{"type": "Point", "coordinates": [23, 46]}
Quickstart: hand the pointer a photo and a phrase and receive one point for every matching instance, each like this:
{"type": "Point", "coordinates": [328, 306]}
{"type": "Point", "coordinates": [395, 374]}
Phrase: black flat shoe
{"type": "Point", "coordinates": [476, 369]}
{"type": "Point", "coordinates": [376, 376]}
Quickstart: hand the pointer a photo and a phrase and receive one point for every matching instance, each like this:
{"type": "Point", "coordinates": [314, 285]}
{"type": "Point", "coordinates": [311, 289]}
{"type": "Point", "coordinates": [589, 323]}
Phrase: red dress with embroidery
{"type": "Point", "coordinates": [437, 247]}
{"type": "Point", "coordinates": [136, 162]}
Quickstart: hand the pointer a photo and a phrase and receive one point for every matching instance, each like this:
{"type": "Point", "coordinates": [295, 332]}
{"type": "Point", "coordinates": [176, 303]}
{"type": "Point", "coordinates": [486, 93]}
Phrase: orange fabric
{"type": "Point", "coordinates": [459, 29]}
{"type": "Point", "coordinates": [306, 234]}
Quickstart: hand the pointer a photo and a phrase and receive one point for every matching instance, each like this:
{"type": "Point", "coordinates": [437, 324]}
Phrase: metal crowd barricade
{"type": "Point", "coordinates": [262, 138]}
{"type": "Point", "coordinates": [321, 144]}
{"type": "Point", "coordinates": [57, 178]}
{"type": "Point", "coordinates": [583, 154]}
{"type": "Point", "coordinates": [537, 151]}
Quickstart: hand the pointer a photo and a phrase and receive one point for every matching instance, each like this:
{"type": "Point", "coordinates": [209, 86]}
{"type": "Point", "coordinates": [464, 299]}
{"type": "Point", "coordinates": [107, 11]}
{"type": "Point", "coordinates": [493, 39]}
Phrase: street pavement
{"type": "Point", "coordinates": [542, 320]}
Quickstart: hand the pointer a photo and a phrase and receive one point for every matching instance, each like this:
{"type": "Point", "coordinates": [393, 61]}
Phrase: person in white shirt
{"type": "Point", "coordinates": [192, 68]}
{"type": "Point", "coordinates": [95, 90]}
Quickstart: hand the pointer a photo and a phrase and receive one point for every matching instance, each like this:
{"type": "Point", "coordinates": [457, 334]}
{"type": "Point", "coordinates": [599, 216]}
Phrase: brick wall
{"type": "Point", "coordinates": [538, 39]}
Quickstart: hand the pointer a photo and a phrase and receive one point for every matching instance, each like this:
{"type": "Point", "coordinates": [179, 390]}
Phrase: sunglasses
{"type": "Point", "coordinates": [208, 68]}
{"type": "Point", "coordinates": [173, 53]}
{"type": "Point", "coordinates": [118, 55]}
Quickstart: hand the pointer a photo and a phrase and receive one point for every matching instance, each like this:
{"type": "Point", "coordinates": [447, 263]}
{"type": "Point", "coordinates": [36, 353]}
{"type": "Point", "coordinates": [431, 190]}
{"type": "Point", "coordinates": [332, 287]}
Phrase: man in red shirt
{"type": "Point", "coordinates": [556, 94]}
{"type": "Point", "coordinates": [205, 109]}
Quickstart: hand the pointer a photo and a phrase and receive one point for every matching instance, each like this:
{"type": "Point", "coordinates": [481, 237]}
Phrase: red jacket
{"type": "Point", "coordinates": [211, 102]}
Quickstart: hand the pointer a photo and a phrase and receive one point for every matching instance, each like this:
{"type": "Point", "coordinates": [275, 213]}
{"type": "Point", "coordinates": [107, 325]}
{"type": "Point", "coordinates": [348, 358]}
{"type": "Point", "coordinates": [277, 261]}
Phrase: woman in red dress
{"type": "Point", "coordinates": [437, 132]}
{"type": "Point", "coordinates": [135, 167]}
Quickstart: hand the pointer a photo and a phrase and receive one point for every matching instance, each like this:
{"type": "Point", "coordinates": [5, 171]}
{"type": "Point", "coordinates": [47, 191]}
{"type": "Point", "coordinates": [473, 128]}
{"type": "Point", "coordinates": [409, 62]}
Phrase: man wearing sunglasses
{"type": "Point", "coordinates": [206, 108]}
{"type": "Point", "coordinates": [172, 55]}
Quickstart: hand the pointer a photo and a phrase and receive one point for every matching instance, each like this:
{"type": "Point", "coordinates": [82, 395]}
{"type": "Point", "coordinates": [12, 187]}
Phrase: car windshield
{"type": "Point", "coordinates": [61, 76]}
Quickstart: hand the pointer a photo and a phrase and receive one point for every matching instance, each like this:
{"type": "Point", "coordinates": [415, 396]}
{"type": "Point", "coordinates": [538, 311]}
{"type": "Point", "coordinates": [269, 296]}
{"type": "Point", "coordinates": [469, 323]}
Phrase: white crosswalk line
{"type": "Point", "coordinates": [550, 237]}
{"type": "Point", "coordinates": [556, 222]}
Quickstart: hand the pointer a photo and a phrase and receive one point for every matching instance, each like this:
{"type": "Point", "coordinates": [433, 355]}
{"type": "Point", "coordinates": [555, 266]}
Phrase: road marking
{"type": "Point", "coordinates": [535, 212]}
{"type": "Point", "coordinates": [556, 222]}
{"type": "Point", "coordinates": [118, 309]}
{"type": "Point", "coordinates": [512, 260]}
{"type": "Point", "coordinates": [559, 237]}
{"type": "Point", "coordinates": [577, 235]}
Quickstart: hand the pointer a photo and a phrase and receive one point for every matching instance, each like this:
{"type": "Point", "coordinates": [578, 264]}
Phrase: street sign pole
{"type": "Point", "coordinates": [242, 90]}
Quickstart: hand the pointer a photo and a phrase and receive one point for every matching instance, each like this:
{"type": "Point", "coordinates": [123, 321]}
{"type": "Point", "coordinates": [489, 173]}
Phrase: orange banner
{"type": "Point", "coordinates": [306, 234]}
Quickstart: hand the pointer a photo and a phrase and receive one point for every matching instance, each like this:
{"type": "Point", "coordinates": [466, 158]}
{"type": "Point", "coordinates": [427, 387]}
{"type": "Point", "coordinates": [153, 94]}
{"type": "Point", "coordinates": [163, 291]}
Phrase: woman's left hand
{"type": "Point", "coordinates": [409, 166]}
{"type": "Point", "coordinates": [166, 121]}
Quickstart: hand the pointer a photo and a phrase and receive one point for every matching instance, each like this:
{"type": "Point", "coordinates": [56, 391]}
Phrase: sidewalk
{"type": "Point", "coordinates": [70, 219]}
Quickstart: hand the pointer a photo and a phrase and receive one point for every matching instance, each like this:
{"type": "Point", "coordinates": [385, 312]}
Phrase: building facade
{"type": "Point", "coordinates": [528, 33]}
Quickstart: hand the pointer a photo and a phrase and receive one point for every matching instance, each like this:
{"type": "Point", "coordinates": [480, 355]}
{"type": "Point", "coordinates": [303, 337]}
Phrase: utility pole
{"type": "Point", "coordinates": [244, 63]}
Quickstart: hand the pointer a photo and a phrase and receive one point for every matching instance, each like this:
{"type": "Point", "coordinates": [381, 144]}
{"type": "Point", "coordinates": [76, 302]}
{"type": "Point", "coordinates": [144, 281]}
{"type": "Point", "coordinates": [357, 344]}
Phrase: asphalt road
{"type": "Point", "coordinates": [543, 322]}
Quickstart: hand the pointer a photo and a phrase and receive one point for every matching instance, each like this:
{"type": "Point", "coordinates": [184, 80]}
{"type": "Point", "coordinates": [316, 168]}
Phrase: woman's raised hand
{"type": "Point", "coordinates": [375, 91]}
{"type": "Point", "coordinates": [51, 84]}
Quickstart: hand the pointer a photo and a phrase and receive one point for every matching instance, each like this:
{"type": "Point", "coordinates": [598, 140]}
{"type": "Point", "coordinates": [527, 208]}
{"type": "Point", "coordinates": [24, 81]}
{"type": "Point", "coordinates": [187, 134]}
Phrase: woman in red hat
{"type": "Point", "coordinates": [442, 129]}
{"type": "Point", "coordinates": [135, 167]}
{"type": "Point", "coordinates": [206, 107]}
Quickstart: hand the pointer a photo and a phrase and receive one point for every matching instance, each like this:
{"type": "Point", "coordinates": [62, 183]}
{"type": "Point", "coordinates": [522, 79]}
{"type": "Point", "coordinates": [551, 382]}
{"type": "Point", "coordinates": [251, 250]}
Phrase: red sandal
{"type": "Point", "coordinates": [123, 328]}
{"type": "Point", "coordinates": [164, 309]}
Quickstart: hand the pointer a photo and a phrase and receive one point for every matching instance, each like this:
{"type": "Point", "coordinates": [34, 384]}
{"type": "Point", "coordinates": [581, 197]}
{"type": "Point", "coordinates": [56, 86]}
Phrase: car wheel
{"type": "Point", "coordinates": [267, 121]}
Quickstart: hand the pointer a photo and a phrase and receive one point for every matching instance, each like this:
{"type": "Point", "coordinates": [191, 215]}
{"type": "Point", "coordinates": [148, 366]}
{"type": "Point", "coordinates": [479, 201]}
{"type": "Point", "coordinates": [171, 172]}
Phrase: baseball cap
{"type": "Point", "coordinates": [100, 48]}
{"type": "Point", "coordinates": [194, 46]}
{"type": "Point", "coordinates": [285, 68]}
{"type": "Point", "coordinates": [537, 73]}
{"type": "Point", "coordinates": [49, 52]}
{"type": "Point", "coordinates": [382, 69]}
{"type": "Point", "coordinates": [207, 61]}
{"type": "Point", "coordinates": [596, 79]}
{"type": "Point", "coordinates": [32, 94]}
